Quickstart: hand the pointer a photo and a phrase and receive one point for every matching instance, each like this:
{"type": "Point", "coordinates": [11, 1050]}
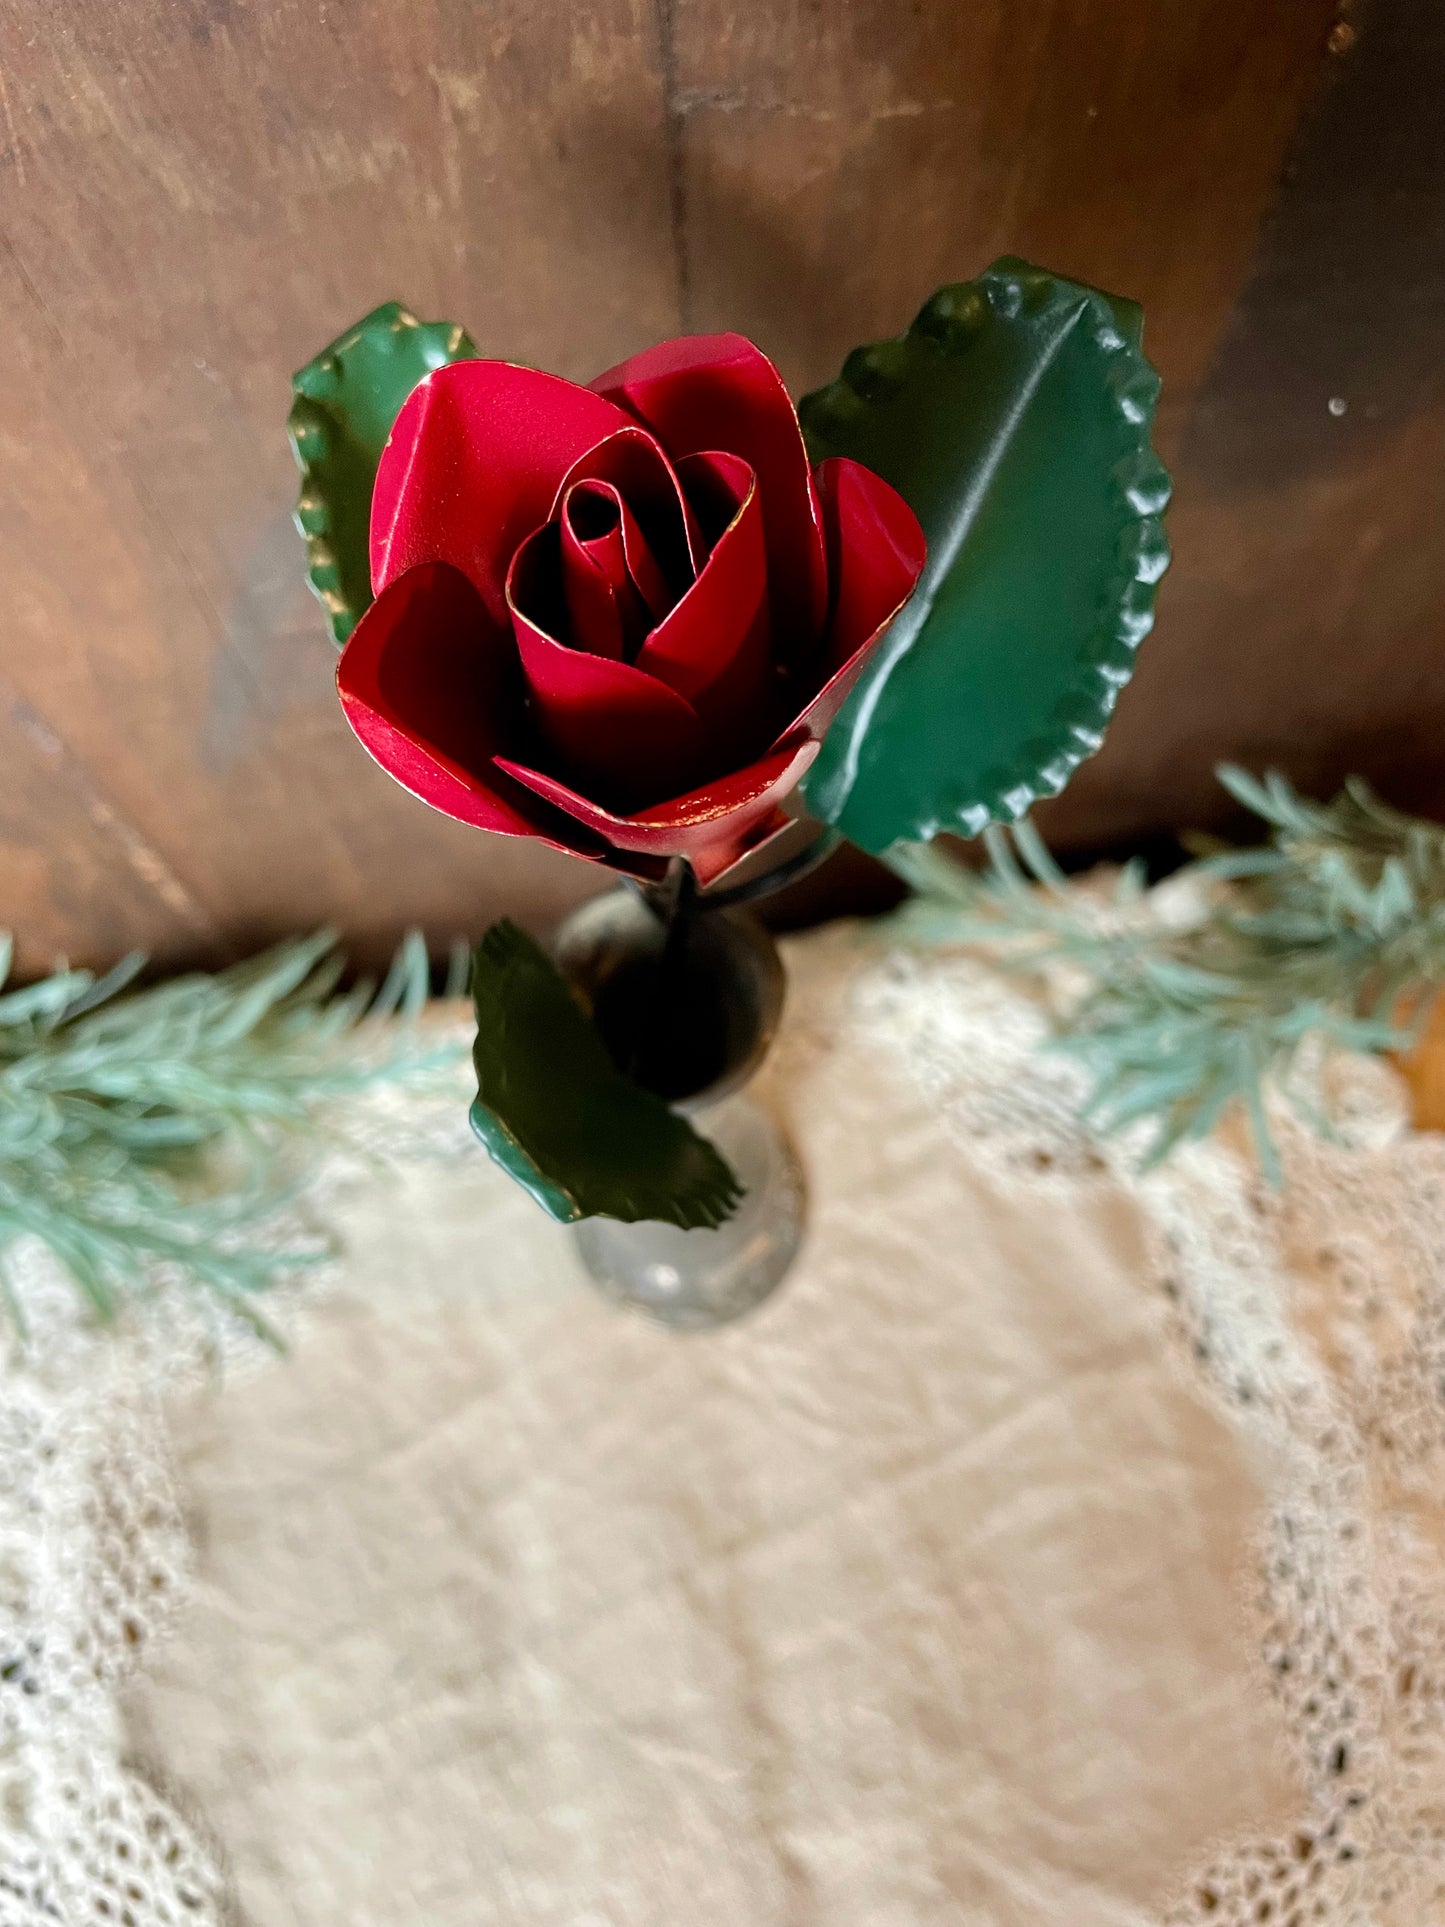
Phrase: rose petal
{"type": "Point", "coordinates": [614, 727]}
{"type": "Point", "coordinates": [875, 556]}
{"type": "Point", "coordinates": [473, 465]}
{"type": "Point", "coordinates": [611, 583]}
{"type": "Point", "coordinates": [876, 553]}
{"type": "Point", "coordinates": [704, 825]}
{"type": "Point", "coordinates": [719, 391]}
{"type": "Point", "coordinates": [717, 859]}
{"type": "Point", "coordinates": [628, 548]}
{"type": "Point", "coordinates": [632, 463]}
{"type": "Point", "coordinates": [431, 687]}
{"type": "Point", "coordinates": [594, 620]}
{"type": "Point", "coordinates": [713, 647]}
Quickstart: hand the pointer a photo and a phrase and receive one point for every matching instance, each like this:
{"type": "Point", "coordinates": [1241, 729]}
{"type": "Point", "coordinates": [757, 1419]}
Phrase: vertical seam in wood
{"type": "Point", "coordinates": [674, 130]}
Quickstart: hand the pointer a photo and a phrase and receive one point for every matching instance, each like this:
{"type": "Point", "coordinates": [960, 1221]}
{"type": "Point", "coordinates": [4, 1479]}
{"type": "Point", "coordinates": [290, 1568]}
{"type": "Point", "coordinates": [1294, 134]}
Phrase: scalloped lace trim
{"type": "Point", "coordinates": [1313, 1321]}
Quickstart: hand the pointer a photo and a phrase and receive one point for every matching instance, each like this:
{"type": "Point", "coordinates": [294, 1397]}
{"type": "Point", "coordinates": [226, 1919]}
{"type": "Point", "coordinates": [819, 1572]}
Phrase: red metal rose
{"type": "Point", "coordinates": [618, 618]}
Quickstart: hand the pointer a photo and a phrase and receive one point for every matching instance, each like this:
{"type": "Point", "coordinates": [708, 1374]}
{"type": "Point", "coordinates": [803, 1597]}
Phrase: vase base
{"type": "Point", "coordinates": [695, 1280]}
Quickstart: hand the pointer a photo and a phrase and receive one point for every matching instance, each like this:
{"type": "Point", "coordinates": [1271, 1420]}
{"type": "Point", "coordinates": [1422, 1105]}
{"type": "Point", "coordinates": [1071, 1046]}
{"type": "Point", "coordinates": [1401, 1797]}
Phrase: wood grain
{"type": "Point", "coordinates": [196, 198]}
{"type": "Point", "coordinates": [842, 162]}
{"type": "Point", "coordinates": [1303, 624]}
{"type": "Point", "coordinates": [196, 194]}
{"type": "Point", "coordinates": [94, 887]}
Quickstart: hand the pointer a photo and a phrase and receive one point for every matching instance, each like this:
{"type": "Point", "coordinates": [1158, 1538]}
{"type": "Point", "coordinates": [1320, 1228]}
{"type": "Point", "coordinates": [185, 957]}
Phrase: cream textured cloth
{"type": "Point", "coordinates": [1055, 1547]}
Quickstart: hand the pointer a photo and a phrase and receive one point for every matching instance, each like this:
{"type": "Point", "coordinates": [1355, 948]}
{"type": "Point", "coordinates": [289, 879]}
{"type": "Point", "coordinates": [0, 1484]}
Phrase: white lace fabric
{"type": "Point", "coordinates": [1058, 1545]}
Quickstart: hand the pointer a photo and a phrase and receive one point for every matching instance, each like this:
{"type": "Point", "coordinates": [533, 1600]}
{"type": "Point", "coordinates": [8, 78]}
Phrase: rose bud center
{"type": "Point", "coordinates": [613, 590]}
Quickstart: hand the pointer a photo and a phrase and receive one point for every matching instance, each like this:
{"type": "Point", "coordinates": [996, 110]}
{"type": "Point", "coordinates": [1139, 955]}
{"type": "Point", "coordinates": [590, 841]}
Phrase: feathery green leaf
{"type": "Point", "coordinates": [112, 1099]}
{"type": "Point", "coordinates": [1318, 935]}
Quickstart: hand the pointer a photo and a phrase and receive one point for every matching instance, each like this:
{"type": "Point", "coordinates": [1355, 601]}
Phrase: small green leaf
{"type": "Point", "coordinates": [1014, 418]}
{"type": "Point", "coordinates": [556, 1114]}
{"type": "Point", "coordinates": [345, 403]}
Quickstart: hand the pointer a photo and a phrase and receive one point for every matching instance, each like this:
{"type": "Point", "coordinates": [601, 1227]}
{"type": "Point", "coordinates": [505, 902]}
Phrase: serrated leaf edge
{"type": "Point", "coordinates": [706, 1208]}
{"type": "Point", "coordinates": [307, 430]}
{"type": "Point", "coordinates": [949, 322]}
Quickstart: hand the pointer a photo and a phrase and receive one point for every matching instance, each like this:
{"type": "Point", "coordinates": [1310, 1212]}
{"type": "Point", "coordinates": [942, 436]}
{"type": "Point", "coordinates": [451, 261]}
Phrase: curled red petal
{"type": "Point", "coordinates": [601, 603]}
{"type": "Point", "coordinates": [713, 647]}
{"type": "Point", "coordinates": [612, 726]}
{"type": "Point", "coordinates": [876, 553]}
{"type": "Point", "coordinates": [613, 588]}
{"type": "Point", "coordinates": [704, 825]}
{"type": "Point", "coordinates": [430, 685]}
{"type": "Point", "coordinates": [632, 462]}
{"type": "Point", "coordinates": [595, 622]}
{"type": "Point", "coordinates": [625, 545]}
{"type": "Point", "coordinates": [473, 465]}
{"type": "Point", "coordinates": [718, 858]}
{"type": "Point", "coordinates": [719, 391]}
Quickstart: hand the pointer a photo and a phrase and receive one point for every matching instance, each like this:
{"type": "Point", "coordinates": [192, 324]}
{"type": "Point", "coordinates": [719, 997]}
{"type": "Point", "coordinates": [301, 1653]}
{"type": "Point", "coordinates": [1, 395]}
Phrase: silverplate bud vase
{"type": "Point", "coordinates": [688, 1004]}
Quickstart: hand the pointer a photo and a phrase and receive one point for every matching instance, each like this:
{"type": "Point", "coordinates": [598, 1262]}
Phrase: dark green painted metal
{"type": "Point", "coordinates": [1014, 417]}
{"type": "Point", "coordinates": [345, 403]}
{"type": "Point", "coordinates": [556, 1114]}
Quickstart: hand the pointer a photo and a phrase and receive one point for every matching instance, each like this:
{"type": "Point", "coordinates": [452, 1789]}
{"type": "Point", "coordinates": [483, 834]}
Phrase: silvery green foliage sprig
{"type": "Point", "coordinates": [1327, 933]}
{"type": "Point", "coordinates": [152, 1133]}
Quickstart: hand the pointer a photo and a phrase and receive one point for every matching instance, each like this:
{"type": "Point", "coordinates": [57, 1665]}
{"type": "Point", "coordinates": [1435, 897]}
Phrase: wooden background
{"type": "Point", "coordinates": [196, 194]}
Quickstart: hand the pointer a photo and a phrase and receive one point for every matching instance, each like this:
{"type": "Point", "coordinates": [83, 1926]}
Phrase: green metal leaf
{"type": "Point", "coordinates": [557, 1115]}
{"type": "Point", "coordinates": [345, 403]}
{"type": "Point", "coordinates": [1014, 417]}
